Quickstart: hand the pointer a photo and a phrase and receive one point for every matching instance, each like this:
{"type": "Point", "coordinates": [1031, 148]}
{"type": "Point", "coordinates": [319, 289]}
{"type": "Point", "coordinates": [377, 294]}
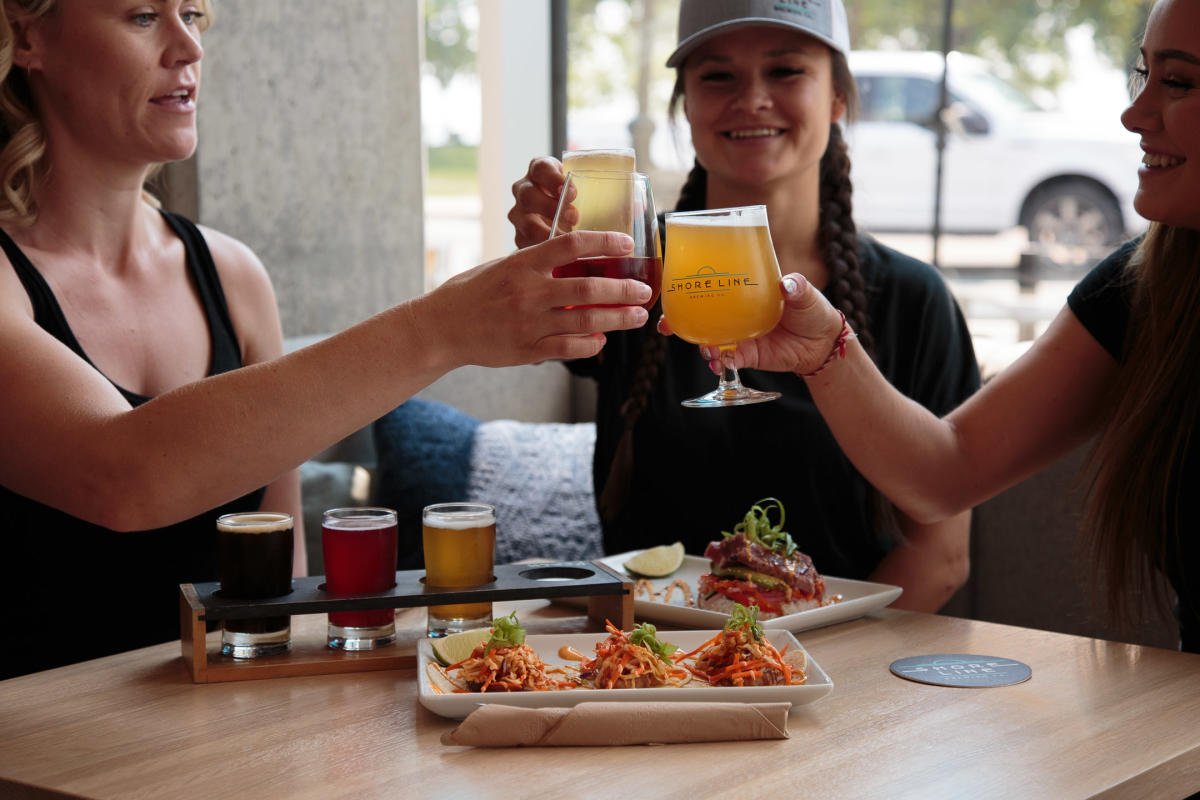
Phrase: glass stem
{"type": "Point", "coordinates": [729, 376]}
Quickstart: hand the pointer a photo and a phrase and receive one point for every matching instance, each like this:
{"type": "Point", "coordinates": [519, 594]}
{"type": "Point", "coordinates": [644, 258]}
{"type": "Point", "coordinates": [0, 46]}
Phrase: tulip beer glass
{"type": "Point", "coordinates": [254, 561]}
{"type": "Point", "coordinates": [459, 540]}
{"type": "Point", "coordinates": [609, 200]}
{"type": "Point", "coordinates": [359, 547]}
{"type": "Point", "coordinates": [720, 287]}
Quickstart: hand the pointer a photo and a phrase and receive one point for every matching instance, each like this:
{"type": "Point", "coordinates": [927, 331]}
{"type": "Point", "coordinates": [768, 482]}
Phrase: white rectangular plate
{"type": "Point", "coordinates": [858, 598]}
{"type": "Point", "coordinates": [457, 706]}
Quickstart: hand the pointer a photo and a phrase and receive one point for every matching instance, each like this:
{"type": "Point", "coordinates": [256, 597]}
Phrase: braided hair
{"type": "Point", "coordinates": [837, 237]}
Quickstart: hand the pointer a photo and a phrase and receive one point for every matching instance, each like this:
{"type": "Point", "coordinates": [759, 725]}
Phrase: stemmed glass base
{"type": "Point", "coordinates": [730, 391]}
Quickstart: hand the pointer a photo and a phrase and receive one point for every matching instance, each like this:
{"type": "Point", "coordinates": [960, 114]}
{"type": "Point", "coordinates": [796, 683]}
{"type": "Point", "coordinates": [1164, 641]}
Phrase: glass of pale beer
{"type": "Point", "coordinates": [620, 159]}
{"type": "Point", "coordinates": [459, 540]}
{"type": "Point", "coordinates": [720, 287]}
{"type": "Point", "coordinates": [612, 200]}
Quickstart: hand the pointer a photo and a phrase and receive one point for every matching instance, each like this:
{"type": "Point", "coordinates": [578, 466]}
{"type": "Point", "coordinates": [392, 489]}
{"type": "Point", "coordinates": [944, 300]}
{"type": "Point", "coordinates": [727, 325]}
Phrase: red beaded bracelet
{"type": "Point", "coordinates": [839, 348]}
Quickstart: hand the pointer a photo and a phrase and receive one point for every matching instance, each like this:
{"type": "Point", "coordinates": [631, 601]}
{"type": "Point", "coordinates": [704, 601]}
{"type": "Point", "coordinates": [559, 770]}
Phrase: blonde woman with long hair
{"type": "Point", "coordinates": [145, 390]}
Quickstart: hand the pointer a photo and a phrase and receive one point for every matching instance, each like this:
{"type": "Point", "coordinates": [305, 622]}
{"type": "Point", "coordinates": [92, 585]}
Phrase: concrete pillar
{"type": "Point", "coordinates": [310, 153]}
{"type": "Point", "coordinates": [310, 150]}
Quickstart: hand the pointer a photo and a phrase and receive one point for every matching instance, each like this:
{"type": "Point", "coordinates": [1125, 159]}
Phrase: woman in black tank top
{"type": "Point", "coordinates": [137, 404]}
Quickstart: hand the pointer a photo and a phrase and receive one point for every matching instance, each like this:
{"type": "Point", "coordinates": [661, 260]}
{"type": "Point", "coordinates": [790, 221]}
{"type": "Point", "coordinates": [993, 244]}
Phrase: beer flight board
{"type": "Point", "coordinates": [609, 594]}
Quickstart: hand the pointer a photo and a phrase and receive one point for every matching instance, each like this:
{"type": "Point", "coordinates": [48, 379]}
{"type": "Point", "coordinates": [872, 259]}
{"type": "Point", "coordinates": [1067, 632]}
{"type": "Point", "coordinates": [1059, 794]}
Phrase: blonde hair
{"type": "Point", "coordinates": [1134, 503]}
{"type": "Point", "coordinates": [22, 139]}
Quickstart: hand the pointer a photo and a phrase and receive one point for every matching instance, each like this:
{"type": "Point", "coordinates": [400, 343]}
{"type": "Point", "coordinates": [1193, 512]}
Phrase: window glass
{"type": "Point", "coordinates": [450, 129]}
{"type": "Point", "coordinates": [996, 219]}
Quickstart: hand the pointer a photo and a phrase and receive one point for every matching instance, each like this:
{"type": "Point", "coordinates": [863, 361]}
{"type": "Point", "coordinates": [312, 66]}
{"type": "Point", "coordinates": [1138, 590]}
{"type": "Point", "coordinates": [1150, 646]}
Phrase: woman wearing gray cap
{"type": "Point", "coordinates": [764, 86]}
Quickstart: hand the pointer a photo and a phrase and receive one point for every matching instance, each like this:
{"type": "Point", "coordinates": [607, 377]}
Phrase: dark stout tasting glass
{"type": "Point", "coordinates": [254, 561]}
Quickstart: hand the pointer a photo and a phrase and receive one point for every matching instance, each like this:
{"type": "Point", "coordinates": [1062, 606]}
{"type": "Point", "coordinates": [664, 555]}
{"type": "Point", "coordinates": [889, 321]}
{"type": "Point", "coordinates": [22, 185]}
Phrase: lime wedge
{"type": "Point", "coordinates": [457, 646]}
{"type": "Point", "coordinates": [657, 562]}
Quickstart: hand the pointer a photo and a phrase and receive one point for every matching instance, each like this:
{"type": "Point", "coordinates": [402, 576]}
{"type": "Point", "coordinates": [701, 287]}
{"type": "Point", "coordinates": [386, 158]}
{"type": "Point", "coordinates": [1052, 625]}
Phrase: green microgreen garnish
{"type": "Point", "coordinates": [740, 617]}
{"type": "Point", "coordinates": [646, 635]}
{"type": "Point", "coordinates": [506, 632]}
{"type": "Point", "coordinates": [757, 527]}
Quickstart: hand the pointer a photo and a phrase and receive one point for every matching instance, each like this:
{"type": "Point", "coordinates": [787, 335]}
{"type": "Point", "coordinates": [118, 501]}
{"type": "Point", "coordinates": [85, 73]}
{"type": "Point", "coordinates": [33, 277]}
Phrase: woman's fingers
{"type": "Point", "coordinates": [514, 311]}
{"type": "Point", "coordinates": [799, 342]}
{"type": "Point", "coordinates": [536, 195]}
{"type": "Point", "coordinates": [579, 244]}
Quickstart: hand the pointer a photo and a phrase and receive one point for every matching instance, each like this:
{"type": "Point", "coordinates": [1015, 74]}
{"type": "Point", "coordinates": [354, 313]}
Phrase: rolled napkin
{"type": "Point", "coordinates": [609, 723]}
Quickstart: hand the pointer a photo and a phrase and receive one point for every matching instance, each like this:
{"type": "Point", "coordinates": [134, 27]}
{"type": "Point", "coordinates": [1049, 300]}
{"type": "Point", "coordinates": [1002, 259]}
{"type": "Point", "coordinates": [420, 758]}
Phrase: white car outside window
{"type": "Point", "coordinates": [1006, 161]}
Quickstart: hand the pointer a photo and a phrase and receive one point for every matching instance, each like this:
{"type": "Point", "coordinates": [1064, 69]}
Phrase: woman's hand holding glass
{"type": "Point", "coordinates": [616, 201]}
{"type": "Point", "coordinates": [801, 341]}
{"type": "Point", "coordinates": [514, 311]}
{"type": "Point", "coordinates": [536, 195]}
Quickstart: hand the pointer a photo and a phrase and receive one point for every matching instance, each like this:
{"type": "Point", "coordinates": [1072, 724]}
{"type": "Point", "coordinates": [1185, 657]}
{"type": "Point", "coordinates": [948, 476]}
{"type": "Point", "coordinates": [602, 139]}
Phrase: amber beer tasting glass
{"type": "Point", "coordinates": [359, 547]}
{"type": "Point", "coordinates": [254, 562]}
{"type": "Point", "coordinates": [460, 544]}
{"type": "Point", "coordinates": [610, 200]}
{"type": "Point", "coordinates": [720, 287]}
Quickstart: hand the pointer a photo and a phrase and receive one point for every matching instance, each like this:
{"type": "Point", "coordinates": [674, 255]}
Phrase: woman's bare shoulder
{"type": "Point", "coordinates": [249, 295]}
{"type": "Point", "coordinates": [14, 300]}
{"type": "Point", "coordinates": [236, 263]}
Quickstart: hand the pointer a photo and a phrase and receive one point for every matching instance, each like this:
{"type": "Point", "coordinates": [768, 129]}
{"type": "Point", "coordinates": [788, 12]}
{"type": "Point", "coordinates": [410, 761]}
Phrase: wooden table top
{"type": "Point", "coordinates": [1096, 718]}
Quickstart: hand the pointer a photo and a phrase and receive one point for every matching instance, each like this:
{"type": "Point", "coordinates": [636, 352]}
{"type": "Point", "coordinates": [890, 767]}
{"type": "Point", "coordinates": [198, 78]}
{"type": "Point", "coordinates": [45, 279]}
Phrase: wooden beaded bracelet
{"type": "Point", "coordinates": [839, 347]}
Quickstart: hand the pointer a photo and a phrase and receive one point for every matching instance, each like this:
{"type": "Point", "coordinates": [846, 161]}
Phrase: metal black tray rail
{"type": "Point", "coordinates": [510, 582]}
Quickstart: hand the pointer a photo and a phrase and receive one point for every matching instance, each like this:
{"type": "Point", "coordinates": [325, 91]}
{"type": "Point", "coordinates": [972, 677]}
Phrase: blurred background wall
{"type": "Point", "coordinates": [310, 152]}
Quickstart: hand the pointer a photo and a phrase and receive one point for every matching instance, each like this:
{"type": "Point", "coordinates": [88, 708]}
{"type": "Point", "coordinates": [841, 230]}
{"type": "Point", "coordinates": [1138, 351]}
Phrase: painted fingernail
{"type": "Point", "coordinates": [790, 286]}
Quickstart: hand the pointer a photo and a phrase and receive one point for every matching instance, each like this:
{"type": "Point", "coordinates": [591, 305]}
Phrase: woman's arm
{"type": "Point", "coordinates": [931, 562]}
{"type": "Point", "coordinates": [1033, 413]}
{"type": "Point", "coordinates": [71, 440]}
{"type": "Point", "coordinates": [284, 495]}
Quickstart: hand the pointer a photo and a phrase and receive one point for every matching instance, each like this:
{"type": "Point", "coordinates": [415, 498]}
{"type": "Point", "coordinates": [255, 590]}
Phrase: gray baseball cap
{"type": "Point", "coordinates": [700, 20]}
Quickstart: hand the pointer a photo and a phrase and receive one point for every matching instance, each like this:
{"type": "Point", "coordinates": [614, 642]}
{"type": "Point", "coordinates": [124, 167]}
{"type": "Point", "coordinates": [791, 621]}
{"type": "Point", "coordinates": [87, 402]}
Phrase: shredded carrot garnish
{"type": "Point", "coordinates": [621, 664]}
{"type": "Point", "coordinates": [504, 669]}
{"type": "Point", "coordinates": [735, 657]}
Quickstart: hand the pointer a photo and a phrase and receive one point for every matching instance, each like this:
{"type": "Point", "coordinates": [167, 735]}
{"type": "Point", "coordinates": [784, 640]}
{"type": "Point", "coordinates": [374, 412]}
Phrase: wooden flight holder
{"type": "Point", "coordinates": [609, 596]}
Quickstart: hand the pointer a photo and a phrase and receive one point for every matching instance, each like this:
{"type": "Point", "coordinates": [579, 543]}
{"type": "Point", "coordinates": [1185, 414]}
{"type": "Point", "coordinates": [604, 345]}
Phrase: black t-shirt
{"type": "Point", "coordinates": [71, 590]}
{"type": "Point", "coordinates": [1102, 303]}
{"type": "Point", "coordinates": [697, 471]}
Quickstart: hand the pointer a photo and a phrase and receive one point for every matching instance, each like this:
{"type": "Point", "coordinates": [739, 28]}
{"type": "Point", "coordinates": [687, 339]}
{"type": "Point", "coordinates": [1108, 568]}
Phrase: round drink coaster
{"type": "Point", "coordinates": [955, 669]}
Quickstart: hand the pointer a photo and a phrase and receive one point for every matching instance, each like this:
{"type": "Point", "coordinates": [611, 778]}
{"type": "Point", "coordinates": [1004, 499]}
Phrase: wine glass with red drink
{"type": "Point", "coordinates": [612, 200]}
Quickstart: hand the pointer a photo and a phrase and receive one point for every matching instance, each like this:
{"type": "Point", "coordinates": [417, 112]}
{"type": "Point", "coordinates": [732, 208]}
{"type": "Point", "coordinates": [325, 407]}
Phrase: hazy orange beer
{"type": "Point", "coordinates": [721, 286]}
{"type": "Point", "coordinates": [460, 543]}
{"type": "Point", "coordinates": [722, 283]}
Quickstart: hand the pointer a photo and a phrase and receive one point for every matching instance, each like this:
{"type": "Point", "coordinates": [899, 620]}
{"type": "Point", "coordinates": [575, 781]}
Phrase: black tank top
{"type": "Point", "coordinates": [72, 590]}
